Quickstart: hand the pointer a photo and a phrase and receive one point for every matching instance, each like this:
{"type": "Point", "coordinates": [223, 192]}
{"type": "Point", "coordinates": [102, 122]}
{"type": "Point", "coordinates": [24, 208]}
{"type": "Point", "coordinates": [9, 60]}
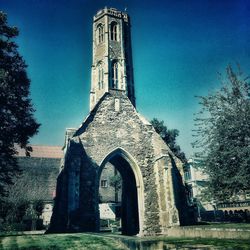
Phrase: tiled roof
{"type": "Point", "coordinates": [42, 152]}
{"type": "Point", "coordinates": [37, 180]}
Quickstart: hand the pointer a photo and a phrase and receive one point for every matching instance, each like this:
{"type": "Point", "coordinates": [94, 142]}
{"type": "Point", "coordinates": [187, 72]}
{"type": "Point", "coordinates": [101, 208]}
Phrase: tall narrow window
{"type": "Point", "coordinates": [100, 76]}
{"type": "Point", "coordinates": [100, 33]}
{"type": "Point", "coordinates": [114, 31]}
{"type": "Point", "coordinates": [115, 75]}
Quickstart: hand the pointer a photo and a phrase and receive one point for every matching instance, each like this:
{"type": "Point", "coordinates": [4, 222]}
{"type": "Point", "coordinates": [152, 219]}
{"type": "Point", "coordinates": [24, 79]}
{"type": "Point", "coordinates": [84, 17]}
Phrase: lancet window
{"type": "Point", "coordinates": [115, 75]}
{"type": "Point", "coordinates": [114, 31]}
{"type": "Point", "coordinates": [100, 33]}
{"type": "Point", "coordinates": [100, 76]}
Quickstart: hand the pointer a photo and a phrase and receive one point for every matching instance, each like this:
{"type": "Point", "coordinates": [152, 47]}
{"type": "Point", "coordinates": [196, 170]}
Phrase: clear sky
{"type": "Point", "coordinates": [178, 48]}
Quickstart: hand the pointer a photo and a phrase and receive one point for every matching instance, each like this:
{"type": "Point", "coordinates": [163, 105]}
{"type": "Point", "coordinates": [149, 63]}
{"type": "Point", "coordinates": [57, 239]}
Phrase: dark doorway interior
{"type": "Point", "coordinates": [129, 200]}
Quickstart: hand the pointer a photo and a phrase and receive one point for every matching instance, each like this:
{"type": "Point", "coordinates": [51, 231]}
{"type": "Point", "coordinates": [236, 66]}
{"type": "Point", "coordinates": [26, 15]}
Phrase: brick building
{"type": "Point", "coordinates": [38, 178]}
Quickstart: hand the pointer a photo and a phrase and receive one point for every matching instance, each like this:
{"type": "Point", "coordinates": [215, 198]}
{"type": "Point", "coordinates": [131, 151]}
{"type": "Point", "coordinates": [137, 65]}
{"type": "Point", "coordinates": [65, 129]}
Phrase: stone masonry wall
{"type": "Point", "coordinates": [123, 127]}
{"type": "Point", "coordinates": [114, 124]}
{"type": "Point", "coordinates": [111, 129]}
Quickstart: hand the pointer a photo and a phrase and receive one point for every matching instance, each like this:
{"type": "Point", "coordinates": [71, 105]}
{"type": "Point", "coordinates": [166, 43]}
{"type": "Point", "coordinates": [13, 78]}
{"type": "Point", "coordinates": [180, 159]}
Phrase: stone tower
{"type": "Point", "coordinates": [153, 193]}
{"type": "Point", "coordinates": [112, 67]}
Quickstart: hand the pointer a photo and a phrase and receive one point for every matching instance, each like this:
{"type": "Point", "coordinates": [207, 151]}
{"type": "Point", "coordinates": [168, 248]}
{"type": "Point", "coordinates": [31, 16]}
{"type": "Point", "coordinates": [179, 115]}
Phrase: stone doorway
{"type": "Point", "coordinates": [129, 212]}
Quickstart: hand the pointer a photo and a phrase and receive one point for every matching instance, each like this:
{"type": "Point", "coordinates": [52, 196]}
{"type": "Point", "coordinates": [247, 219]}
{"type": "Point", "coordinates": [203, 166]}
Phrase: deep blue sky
{"type": "Point", "coordinates": [178, 48]}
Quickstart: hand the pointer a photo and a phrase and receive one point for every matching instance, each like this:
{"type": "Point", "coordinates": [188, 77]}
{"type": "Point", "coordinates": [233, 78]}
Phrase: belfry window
{"type": "Point", "coordinates": [114, 31]}
{"type": "Point", "coordinates": [115, 75]}
{"type": "Point", "coordinates": [100, 76]}
{"type": "Point", "coordinates": [100, 34]}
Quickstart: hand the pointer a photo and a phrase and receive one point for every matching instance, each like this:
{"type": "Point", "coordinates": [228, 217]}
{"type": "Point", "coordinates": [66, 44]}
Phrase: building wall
{"type": "Point", "coordinates": [107, 193]}
{"type": "Point", "coordinates": [197, 179]}
{"type": "Point", "coordinates": [235, 210]}
{"type": "Point", "coordinates": [47, 213]}
{"type": "Point", "coordinates": [38, 178]}
{"type": "Point", "coordinates": [114, 124]}
{"type": "Point", "coordinates": [208, 233]}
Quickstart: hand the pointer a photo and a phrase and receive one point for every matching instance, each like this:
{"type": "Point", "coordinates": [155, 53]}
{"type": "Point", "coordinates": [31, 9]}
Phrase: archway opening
{"type": "Point", "coordinates": [118, 198]}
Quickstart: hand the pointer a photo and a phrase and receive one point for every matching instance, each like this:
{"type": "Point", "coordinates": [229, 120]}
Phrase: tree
{"type": "Point", "coordinates": [223, 136]}
{"type": "Point", "coordinates": [169, 136]}
{"type": "Point", "coordinates": [17, 123]}
{"type": "Point", "coordinates": [116, 182]}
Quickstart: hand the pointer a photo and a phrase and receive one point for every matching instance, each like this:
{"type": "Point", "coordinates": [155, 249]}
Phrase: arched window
{"type": "Point", "coordinates": [100, 76]}
{"type": "Point", "coordinates": [114, 31]}
{"type": "Point", "coordinates": [100, 33]}
{"type": "Point", "coordinates": [115, 75]}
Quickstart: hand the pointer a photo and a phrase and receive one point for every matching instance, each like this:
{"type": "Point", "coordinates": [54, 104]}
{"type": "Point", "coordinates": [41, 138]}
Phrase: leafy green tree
{"type": "Point", "coordinates": [116, 182]}
{"type": "Point", "coordinates": [169, 136]}
{"type": "Point", "coordinates": [17, 123]}
{"type": "Point", "coordinates": [38, 206]}
{"type": "Point", "coordinates": [223, 136]}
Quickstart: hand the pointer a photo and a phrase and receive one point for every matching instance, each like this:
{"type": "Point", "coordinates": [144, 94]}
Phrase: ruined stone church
{"type": "Point", "coordinates": [153, 194]}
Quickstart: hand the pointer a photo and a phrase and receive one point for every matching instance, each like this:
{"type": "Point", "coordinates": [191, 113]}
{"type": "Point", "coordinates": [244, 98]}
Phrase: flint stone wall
{"type": "Point", "coordinates": [114, 125]}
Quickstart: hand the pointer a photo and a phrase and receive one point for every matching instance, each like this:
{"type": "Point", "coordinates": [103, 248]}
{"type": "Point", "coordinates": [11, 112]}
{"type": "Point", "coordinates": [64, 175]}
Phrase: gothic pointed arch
{"type": "Point", "coordinates": [117, 155]}
{"type": "Point", "coordinates": [114, 74]}
{"type": "Point", "coordinates": [114, 31]}
{"type": "Point", "coordinates": [100, 33]}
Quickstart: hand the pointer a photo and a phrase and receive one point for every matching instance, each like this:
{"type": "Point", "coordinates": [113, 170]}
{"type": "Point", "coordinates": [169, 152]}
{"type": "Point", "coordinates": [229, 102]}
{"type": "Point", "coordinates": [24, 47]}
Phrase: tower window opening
{"type": "Point", "coordinates": [114, 31]}
{"type": "Point", "coordinates": [100, 76]}
{"type": "Point", "coordinates": [100, 32]}
{"type": "Point", "coordinates": [115, 75]}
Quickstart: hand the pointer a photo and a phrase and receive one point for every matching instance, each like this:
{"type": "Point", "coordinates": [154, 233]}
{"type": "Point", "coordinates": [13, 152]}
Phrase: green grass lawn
{"type": "Point", "coordinates": [59, 241]}
{"type": "Point", "coordinates": [108, 241]}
